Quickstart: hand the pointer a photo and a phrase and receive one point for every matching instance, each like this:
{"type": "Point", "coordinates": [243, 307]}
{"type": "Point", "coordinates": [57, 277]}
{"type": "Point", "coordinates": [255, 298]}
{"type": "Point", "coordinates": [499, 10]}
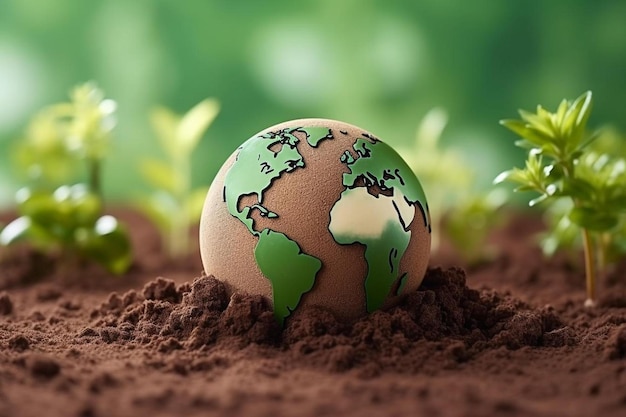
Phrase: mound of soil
{"type": "Point", "coordinates": [508, 337]}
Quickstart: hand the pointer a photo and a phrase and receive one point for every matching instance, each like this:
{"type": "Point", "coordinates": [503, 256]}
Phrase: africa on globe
{"type": "Point", "coordinates": [316, 212]}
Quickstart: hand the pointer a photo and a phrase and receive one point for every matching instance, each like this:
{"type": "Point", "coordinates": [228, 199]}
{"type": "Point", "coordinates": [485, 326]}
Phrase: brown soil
{"type": "Point", "coordinates": [509, 337]}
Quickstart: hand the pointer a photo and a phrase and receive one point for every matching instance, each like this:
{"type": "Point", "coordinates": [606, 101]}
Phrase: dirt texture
{"type": "Point", "coordinates": [505, 337]}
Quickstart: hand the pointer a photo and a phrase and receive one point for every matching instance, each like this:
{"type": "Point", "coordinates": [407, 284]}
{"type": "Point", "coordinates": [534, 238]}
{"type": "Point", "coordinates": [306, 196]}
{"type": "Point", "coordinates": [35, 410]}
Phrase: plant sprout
{"type": "Point", "coordinates": [469, 222]}
{"type": "Point", "coordinates": [64, 133]}
{"type": "Point", "coordinates": [562, 165]}
{"type": "Point", "coordinates": [91, 118]}
{"type": "Point", "coordinates": [69, 219]}
{"type": "Point", "coordinates": [447, 181]}
{"type": "Point", "coordinates": [174, 204]}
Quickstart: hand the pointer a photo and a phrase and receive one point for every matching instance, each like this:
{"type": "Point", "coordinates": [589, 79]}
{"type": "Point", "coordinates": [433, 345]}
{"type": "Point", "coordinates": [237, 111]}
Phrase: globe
{"type": "Point", "coordinates": [317, 213]}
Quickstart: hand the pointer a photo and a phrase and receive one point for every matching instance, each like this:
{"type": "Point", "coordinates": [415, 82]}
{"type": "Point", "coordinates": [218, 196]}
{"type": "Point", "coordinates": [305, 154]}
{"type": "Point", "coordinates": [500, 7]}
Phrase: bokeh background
{"type": "Point", "coordinates": [379, 64]}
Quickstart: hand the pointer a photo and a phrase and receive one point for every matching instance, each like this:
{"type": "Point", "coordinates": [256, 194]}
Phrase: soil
{"type": "Point", "coordinates": [506, 337]}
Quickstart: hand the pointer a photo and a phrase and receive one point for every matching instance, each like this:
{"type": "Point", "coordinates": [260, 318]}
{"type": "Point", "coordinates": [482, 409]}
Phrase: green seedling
{"type": "Point", "coordinates": [90, 118]}
{"type": "Point", "coordinates": [469, 222]}
{"type": "Point", "coordinates": [464, 216]}
{"type": "Point", "coordinates": [66, 133]}
{"type": "Point", "coordinates": [69, 221]}
{"type": "Point", "coordinates": [562, 164]}
{"type": "Point", "coordinates": [174, 204]}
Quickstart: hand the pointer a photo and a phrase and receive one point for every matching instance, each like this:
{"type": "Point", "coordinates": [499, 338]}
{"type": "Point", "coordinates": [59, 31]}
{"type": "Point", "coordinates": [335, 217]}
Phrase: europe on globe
{"type": "Point", "coordinates": [316, 212]}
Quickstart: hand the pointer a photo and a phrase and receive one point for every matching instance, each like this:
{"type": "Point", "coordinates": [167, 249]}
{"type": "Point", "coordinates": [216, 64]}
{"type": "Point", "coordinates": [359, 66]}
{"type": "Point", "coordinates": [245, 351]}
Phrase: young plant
{"type": "Point", "coordinates": [469, 222]}
{"type": "Point", "coordinates": [69, 219]}
{"type": "Point", "coordinates": [447, 181]}
{"type": "Point", "coordinates": [173, 205]}
{"type": "Point", "coordinates": [90, 119]}
{"type": "Point", "coordinates": [66, 133]}
{"type": "Point", "coordinates": [562, 165]}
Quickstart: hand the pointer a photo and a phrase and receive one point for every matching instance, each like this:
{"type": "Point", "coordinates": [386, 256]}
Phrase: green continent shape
{"type": "Point", "coordinates": [314, 135]}
{"type": "Point", "coordinates": [261, 160]}
{"type": "Point", "coordinates": [375, 222]}
{"type": "Point", "coordinates": [379, 220]}
{"type": "Point", "coordinates": [380, 165]}
{"type": "Point", "coordinates": [278, 257]}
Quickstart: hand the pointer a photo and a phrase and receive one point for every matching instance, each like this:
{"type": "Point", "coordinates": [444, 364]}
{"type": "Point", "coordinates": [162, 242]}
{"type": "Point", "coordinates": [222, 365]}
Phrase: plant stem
{"type": "Point", "coordinates": [179, 238]}
{"type": "Point", "coordinates": [603, 248]}
{"type": "Point", "coordinates": [588, 248]}
{"type": "Point", "coordinates": [94, 177]}
{"type": "Point", "coordinates": [590, 269]}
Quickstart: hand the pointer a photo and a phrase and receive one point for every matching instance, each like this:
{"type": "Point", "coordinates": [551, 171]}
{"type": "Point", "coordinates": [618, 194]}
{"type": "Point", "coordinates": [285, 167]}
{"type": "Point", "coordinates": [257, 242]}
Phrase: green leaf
{"type": "Point", "coordinates": [534, 172]}
{"type": "Point", "coordinates": [547, 118]}
{"type": "Point", "coordinates": [549, 245]}
{"type": "Point", "coordinates": [109, 245]}
{"type": "Point", "coordinates": [535, 201]}
{"type": "Point", "coordinates": [578, 188]}
{"type": "Point", "coordinates": [165, 123]}
{"type": "Point", "coordinates": [76, 206]}
{"type": "Point", "coordinates": [521, 129]}
{"type": "Point", "coordinates": [24, 229]}
{"type": "Point", "coordinates": [430, 129]}
{"type": "Point", "coordinates": [87, 209]}
{"type": "Point", "coordinates": [554, 172]}
{"type": "Point", "coordinates": [588, 218]}
{"type": "Point", "coordinates": [160, 175]}
{"type": "Point", "coordinates": [40, 207]}
{"type": "Point", "coordinates": [574, 156]}
{"type": "Point", "coordinates": [15, 231]}
{"type": "Point", "coordinates": [524, 188]}
{"type": "Point", "coordinates": [156, 215]}
{"type": "Point", "coordinates": [60, 111]}
{"type": "Point", "coordinates": [194, 123]}
{"type": "Point", "coordinates": [523, 143]}
{"type": "Point", "coordinates": [583, 104]}
{"type": "Point", "coordinates": [617, 202]}
{"type": "Point", "coordinates": [85, 206]}
{"type": "Point", "coordinates": [90, 120]}
{"type": "Point", "coordinates": [560, 112]}
{"type": "Point", "coordinates": [590, 140]}
{"type": "Point", "coordinates": [160, 207]}
{"type": "Point", "coordinates": [503, 176]}
{"type": "Point", "coordinates": [537, 123]}
{"type": "Point", "coordinates": [56, 216]}
{"type": "Point", "coordinates": [513, 175]}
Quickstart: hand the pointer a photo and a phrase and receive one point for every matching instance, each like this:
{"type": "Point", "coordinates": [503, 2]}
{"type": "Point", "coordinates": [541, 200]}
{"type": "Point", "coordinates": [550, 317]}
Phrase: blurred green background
{"type": "Point", "coordinates": [379, 64]}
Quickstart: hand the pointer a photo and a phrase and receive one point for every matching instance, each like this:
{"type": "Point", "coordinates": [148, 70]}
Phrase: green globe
{"type": "Point", "coordinates": [320, 213]}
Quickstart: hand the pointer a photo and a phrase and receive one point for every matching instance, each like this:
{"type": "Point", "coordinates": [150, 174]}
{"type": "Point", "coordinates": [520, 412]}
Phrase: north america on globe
{"type": "Point", "coordinates": [376, 208]}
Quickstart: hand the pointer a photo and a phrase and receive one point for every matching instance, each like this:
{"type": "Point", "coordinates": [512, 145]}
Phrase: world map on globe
{"type": "Point", "coordinates": [375, 209]}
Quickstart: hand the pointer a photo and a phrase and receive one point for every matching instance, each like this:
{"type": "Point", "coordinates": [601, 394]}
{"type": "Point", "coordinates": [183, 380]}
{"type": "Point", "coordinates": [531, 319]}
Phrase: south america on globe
{"type": "Point", "coordinates": [317, 213]}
